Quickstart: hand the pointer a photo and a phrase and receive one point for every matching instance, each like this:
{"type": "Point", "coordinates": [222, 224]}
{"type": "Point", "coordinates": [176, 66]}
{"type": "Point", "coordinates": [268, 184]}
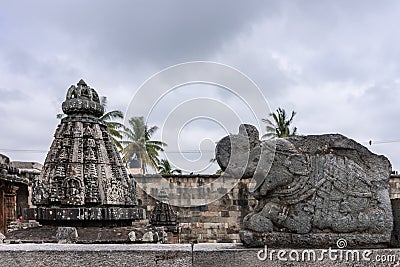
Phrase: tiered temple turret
{"type": "Point", "coordinates": [83, 181]}
{"type": "Point", "coordinates": [163, 214]}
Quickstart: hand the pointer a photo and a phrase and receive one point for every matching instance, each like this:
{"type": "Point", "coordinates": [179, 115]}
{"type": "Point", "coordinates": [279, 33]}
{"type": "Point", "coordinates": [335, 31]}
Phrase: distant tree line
{"type": "Point", "coordinates": [135, 139]}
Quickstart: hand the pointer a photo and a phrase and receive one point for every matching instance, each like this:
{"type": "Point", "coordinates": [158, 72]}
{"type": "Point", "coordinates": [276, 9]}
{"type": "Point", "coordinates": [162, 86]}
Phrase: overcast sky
{"type": "Point", "coordinates": [336, 63]}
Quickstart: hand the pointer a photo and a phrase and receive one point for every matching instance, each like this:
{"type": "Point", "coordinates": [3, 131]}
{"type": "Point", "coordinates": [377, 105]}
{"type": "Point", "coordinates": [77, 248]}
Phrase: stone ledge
{"type": "Point", "coordinates": [88, 235]}
{"type": "Point", "coordinates": [84, 215]}
{"type": "Point", "coordinates": [91, 247]}
{"type": "Point", "coordinates": [316, 240]}
{"type": "Point", "coordinates": [165, 255]}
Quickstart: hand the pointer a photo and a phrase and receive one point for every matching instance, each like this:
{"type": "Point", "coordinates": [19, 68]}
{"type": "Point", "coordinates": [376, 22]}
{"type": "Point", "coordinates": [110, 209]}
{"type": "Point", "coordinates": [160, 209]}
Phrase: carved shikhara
{"type": "Point", "coordinates": [311, 189]}
{"type": "Point", "coordinates": [162, 213]}
{"type": "Point", "coordinates": [83, 168]}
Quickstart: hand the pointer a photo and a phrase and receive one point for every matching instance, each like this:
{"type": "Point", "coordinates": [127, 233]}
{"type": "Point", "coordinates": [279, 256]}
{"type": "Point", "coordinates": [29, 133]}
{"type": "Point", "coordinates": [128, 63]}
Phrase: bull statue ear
{"type": "Point", "coordinates": [298, 164]}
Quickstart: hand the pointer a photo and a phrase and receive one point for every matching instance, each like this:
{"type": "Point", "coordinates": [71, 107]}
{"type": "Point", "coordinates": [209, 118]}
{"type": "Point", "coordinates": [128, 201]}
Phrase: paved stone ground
{"type": "Point", "coordinates": [210, 255]}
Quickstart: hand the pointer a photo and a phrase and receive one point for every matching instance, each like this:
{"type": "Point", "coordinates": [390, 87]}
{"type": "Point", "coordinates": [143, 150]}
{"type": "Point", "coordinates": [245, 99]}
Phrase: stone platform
{"type": "Point", "coordinates": [313, 240]}
{"type": "Point", "coordinates": [90, 235]}
{"type": "Point", "coordinates": [181, 255]}
{"type": "Point", "coordinates": [88, 216]}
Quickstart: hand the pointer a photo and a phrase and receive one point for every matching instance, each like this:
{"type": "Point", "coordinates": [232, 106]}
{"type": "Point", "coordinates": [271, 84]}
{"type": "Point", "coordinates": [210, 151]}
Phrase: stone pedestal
{"type": "Point", "coordinates": [80, 216]}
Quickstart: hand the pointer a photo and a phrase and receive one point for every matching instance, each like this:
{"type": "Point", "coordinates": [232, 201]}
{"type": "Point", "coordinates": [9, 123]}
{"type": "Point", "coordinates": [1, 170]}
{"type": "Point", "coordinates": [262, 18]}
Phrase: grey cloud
{"type": "Point", "coordinates": [129, 32]}
{"type": "Point", "coordinates": [335, 62]}
{"type": "Point", "coordinates": [7, 95]}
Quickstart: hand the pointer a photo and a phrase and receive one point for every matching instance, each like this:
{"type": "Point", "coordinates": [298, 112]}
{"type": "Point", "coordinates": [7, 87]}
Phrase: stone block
{"type": "Point", "coordinates": [224, 213]}
{"type": "Point", "coordinates": [132, 236]}
{"type": "Point", "coordinates": [2, 237]}
{"type": "Point", "coordinates": [66, 235]}
{"type": "Point", "coordinates": [148, 237]}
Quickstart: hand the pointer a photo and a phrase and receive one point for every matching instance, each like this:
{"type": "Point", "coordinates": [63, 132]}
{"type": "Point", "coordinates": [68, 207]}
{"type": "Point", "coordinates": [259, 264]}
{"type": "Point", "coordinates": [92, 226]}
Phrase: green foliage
{"type": "Point", "coordinates": [115, 128]}
{"type": "Point", "coordinates": [165, 168]}
{"type": "Point", "coordinates": [137, 140]}
{"type": "Point", "coordinates": [280, 126]}
{"type": "Point", "coordinates": [60, 116]}
{"type": "Point", "coordinates": [219, 171]}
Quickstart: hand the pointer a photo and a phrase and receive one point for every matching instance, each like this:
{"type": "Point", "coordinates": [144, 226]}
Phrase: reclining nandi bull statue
{"type": "Point", "coordinates": [311, 190]}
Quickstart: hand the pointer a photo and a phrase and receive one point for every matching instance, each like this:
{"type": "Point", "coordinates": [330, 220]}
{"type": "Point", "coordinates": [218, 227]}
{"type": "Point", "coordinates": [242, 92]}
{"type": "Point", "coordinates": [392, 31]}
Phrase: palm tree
{"type": "Point", "coordinates": [279, 127]}
{"type": "Point", "coordinates": [116, 128]}
{"type": "Point", "coordinates": [137, 141]}
{"type": "Point", "coordinates": [165, 168]}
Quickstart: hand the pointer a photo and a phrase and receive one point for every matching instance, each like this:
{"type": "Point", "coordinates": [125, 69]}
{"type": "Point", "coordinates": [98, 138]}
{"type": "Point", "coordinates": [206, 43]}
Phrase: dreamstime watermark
{"type": "Point", "coordinates": [177, 81]}
{"type": "Point", "coordinates": [339, 254]}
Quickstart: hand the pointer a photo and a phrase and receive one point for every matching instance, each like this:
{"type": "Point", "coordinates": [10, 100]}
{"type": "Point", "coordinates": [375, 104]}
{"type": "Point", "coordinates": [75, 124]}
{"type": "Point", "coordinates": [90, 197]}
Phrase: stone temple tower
{"type": "Point", "coordinates": [83, 180]}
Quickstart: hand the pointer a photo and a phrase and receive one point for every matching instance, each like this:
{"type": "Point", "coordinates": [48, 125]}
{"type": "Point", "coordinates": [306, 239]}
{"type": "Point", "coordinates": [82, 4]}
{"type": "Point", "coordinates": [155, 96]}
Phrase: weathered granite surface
{"type": "Point", "coordinates": [8, 173]}
{"type": "Point", "coordinates": [95, 255]}
{"type": "Point", "coordinates": [310, 187]}
{"type": "Point", "coordinates": [13, 194]}
{"type": "Point", "coordinates": [395, 240]}
{"type": "Point", "coordinates": [163, 214]}
{"type": "Point", "coordinates": [218, 221]}
{"type": "Point", "coordinates": [137, 233]}
{"type": "Point", "coordinates": [215, 255]}
{"type": "Point", "coordinates": [66, 235]}
{"type": "Point", "coordinates": [83, 179]}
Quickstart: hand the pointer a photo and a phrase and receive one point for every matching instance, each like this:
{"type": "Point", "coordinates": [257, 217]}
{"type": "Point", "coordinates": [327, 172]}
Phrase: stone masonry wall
{"type": "Point", "coordinates": [394, 186]}
{"type": "Point", "coordinates": [219, 221]}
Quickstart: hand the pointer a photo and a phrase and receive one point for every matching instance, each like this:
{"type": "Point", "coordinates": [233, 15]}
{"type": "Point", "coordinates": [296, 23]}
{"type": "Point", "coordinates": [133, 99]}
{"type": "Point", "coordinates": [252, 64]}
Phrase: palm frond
{"type": "Point", "coordinates": [112, 115]}
{"type": "Point", "coordinates": [60, 115]}
{"type": "Point", "coordinates": [137, 140]}
{"type": "Point", "coordinates": [280, 126]}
